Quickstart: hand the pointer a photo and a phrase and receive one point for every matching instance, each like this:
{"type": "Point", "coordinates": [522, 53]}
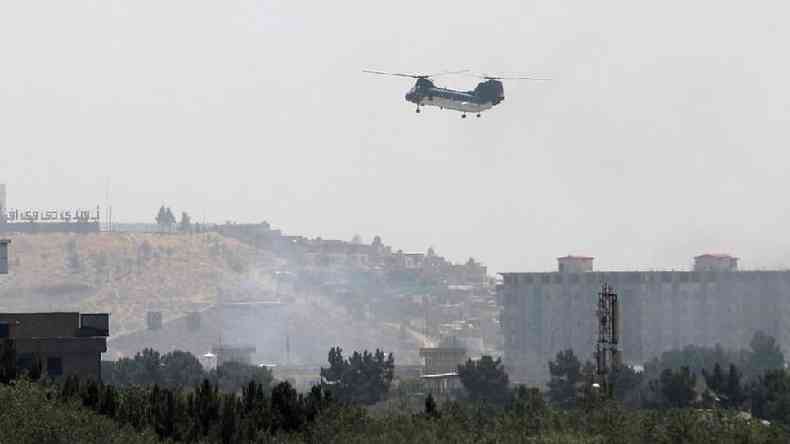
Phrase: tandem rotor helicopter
{"type": "Point", "coordinates": [486, 95]}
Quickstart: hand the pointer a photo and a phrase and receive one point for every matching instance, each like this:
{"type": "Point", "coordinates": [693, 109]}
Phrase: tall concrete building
{"type": "Point", "coordinates": [544, 313]}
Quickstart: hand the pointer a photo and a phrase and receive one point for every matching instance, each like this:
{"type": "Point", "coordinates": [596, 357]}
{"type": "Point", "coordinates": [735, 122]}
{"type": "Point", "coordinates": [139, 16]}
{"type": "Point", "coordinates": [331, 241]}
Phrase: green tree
{"type": "Point", "coordinates": [161, 218]}
{"type": "Point", "coordinates": [770, 396]}
{"type": "Point", "coordinates": [566, 378]}
{"type": "Point", "coordinates": [180, 369]}
{"type": "Point", "coordinates": [431, 409]}
{"type": "Point", "coordinates": [675, 389]}
{"type": "Point", "coordinates": [232, 377]}
{"type": "Point", "coordinates": [185, 226]}
{"type": "Point", "coordinates": [7, 360]}
{"type": "Point", "coordinates": [485, 380]}
{"type": "Point", "coordinates": [363, 378]}
{"type": "Point", "coordinates": [766, 354]}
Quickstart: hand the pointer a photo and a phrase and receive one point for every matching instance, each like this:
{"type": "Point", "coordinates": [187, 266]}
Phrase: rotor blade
{"type": "Point", "coordinates": [522, 78]}
{"type": "Point", "coordinates": [447, 73]}
{"type": "Point", "coordinates": [415, 76]}
{"type": "Point", "coordinates": [397, 74]}
{"type": "Point", "coordinates": [488, 77]}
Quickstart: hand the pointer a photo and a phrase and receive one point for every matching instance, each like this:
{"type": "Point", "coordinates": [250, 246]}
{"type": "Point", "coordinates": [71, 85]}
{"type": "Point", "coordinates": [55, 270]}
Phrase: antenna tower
{"type": "Point", "coordinates": [607, 350]}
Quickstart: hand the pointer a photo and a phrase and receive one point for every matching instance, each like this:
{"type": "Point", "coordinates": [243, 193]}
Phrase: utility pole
{"type": "Point", "coordinates": [607, 350]}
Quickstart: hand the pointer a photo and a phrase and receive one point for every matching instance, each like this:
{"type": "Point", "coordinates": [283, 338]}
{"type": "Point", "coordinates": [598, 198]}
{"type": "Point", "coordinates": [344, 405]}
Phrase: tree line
{"type": "Point", "coordinates": [167, 397]}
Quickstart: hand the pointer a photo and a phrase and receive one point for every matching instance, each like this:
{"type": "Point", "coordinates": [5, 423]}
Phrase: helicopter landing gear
{"type": "Point", "coordinates": [418, 110]}
{"type": "Point", "coordinates": [463, 116]}
{"type": "Point", "coordinates": [478, 115]}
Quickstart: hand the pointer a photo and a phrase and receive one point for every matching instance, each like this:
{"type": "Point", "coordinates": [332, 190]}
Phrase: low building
{"type": "Point", "coordinates": [443, 359]}
{"type": "Point", "coordinates": [62, 343]}
{"type": "Point", "coordinates": [233, 353]}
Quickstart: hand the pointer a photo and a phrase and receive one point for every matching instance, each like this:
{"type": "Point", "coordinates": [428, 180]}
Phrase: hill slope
{"type": "Point", "coordinates": [121, 273]}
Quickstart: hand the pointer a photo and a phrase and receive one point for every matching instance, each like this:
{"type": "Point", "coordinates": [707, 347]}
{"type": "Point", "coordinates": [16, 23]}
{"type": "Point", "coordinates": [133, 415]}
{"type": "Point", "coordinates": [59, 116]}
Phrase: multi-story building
{"type": "Point", "coordinates": [62, 343]}
{"type": "Point", "coordinates": [544, 313]}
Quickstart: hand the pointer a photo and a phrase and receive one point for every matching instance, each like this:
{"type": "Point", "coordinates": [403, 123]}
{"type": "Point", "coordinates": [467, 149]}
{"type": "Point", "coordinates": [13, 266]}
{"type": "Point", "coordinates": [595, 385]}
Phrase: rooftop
{"type": "Point", "coordinates": [716, 256]}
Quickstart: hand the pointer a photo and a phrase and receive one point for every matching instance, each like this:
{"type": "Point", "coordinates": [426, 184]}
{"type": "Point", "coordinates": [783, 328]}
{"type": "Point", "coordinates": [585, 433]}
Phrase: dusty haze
{"type": "Point", "coordinates": [662, 135]}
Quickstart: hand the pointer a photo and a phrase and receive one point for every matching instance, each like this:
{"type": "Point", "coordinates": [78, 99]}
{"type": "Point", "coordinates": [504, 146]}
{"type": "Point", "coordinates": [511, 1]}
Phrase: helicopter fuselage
{"type": "Point", "coordinates": [485, 96]}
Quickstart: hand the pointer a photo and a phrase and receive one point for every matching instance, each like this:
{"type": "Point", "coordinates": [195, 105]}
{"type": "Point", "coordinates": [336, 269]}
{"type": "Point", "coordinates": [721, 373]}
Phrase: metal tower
{"type": "Point", "coordinates": [607, 351]}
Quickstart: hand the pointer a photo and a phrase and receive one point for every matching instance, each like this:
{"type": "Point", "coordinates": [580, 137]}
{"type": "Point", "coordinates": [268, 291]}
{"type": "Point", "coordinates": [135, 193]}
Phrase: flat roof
{"type": "Point", "coordinates": [716, 255]}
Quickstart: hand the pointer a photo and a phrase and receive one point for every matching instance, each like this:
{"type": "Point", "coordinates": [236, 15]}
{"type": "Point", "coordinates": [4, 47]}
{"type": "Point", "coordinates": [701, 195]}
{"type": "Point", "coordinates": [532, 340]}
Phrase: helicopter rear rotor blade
{"type": "Point", "coordinates": [490, 77]}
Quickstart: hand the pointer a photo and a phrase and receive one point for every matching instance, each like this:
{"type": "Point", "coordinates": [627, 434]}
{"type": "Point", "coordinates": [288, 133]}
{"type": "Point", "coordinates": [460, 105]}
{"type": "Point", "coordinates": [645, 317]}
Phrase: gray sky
{"type": "Point", "coordinates": [663, 133]}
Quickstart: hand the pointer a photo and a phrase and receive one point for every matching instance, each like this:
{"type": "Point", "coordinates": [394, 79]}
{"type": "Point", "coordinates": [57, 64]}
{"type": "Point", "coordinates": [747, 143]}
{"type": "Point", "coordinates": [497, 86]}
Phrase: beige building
{"type": "Point", "coordinates": [63, 343]}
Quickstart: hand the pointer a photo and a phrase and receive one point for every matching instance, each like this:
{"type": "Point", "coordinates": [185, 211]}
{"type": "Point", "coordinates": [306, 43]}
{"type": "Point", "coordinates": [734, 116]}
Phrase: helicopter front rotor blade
{"type": "Point", "coordinates": [397, 74]}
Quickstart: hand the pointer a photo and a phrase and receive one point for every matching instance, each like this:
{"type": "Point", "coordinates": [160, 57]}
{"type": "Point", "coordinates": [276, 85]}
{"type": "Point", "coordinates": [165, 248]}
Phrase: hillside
{"type": "Point", "coordinates": [121, 273]}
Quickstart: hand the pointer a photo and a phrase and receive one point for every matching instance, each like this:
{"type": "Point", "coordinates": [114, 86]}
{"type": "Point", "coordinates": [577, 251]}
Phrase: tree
{"type": "Point", "coordinates": [181, 369]}
{"type": "Point", "coordinates": [485, 380]}
{"type": "Point", "coordinates": [185, 226]}
{"type": "Point", "coordinates": [675, 389]}
{"type": "Point", "coordinates": [566, 376]}
{"type": "Point", "coordinates": [287, 411]}
{"type": "Point", "coordinates": [232, 377]}
{"type": "Point", "coordinates": [7, 361]}
{"type": "Point", "coordinates": [363, 378]}
{"type": "Point", "coordinates": [161, 218]}
{"type": "Point", "coordinates": [626, 384]}
{"type": "Point", "coordinates": [431, 410]}
{"type": "Point", "coordinates": [766, 354]}
{"type": "Point", "coordinates": [728, 389]}
{"type": "Point", "coordinates": [170, 219]}
{"type": "Point", "coordinates": [528, 401]}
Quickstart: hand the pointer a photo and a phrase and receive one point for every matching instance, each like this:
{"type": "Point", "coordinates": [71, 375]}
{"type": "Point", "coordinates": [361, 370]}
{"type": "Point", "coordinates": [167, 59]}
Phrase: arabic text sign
{"type": "Point", "coordinates": [79, 215]}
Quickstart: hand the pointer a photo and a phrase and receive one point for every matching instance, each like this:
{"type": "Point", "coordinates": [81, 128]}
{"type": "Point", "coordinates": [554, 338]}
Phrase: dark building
{"type": "Point", "coordinates": [63, 343]}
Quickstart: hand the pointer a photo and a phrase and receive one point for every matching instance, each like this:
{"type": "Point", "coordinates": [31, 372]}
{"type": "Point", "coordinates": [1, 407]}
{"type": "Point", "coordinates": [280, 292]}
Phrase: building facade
{"type": "Point", "coordinates": [544, 313]}
{"type": "Point", "coordinates": [63, 343]}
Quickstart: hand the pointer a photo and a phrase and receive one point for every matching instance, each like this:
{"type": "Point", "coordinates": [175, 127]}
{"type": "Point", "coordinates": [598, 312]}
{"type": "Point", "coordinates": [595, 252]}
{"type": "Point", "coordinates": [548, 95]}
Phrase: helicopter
{"type": "Point", "coordinates": [486, 95]}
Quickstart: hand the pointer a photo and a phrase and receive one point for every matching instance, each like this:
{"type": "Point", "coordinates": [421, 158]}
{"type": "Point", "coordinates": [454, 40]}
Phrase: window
{"type": "Point", "coordinates": [54, 366]}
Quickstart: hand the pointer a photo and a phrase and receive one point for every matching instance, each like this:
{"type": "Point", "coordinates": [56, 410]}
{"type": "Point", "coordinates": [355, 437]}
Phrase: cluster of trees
{"type": "Point", "coordinates": [180, 370]}
{"type": "Point", "coordinates": [694, 376]}
{"type": "Point", "coordinates": [149, 400]}
{"type": "Point", "coordinates": [362, 378]}
{"type": "Point", "coordinates": [167, 221]}
{"type": "Point", "coordinates": [203, 413]}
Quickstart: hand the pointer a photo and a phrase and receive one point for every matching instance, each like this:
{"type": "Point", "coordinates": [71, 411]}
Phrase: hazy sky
{"type": "Point", "coordinates": [663, 134]}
